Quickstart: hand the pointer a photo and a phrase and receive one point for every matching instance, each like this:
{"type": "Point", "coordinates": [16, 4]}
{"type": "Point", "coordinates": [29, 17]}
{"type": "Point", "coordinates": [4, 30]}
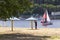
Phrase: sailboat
{"type": "Point", "coordinates": [46, 19]}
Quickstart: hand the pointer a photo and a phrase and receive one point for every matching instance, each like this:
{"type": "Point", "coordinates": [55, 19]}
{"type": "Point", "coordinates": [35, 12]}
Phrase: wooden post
{"type": "Point", "coordinates": [31, 24]}
{"type": "Point", "coordinates": [11, 25]}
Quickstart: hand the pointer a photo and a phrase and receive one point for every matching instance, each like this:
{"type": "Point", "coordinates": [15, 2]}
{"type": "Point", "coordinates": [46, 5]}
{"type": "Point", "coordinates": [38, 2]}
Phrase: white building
{"type": "Point", "coordinates": [55, 13]}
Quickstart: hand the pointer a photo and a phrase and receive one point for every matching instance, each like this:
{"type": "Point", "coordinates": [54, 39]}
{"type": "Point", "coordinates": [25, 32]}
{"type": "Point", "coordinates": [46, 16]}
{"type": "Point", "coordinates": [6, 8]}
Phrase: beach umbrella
{"type": "Point", "coordinates": [32, 19]}
{"type": "Point", "coordinates": [12, 19]}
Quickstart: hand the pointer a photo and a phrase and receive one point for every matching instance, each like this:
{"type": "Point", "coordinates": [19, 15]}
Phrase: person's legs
{"type": "Point", "coordinates": [35, 27]}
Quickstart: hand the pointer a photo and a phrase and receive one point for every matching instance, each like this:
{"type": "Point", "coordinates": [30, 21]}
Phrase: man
{"type": "Point", "coordinates": [35, 24]}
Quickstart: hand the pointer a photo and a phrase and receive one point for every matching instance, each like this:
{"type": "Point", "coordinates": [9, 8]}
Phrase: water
{"type": "Point", "coordinates": [26, 24]}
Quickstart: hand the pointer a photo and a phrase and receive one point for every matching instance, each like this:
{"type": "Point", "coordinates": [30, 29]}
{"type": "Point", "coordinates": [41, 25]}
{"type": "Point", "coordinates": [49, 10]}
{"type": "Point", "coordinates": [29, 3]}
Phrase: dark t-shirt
{"type": "Point", "coordinates": [35, 23]}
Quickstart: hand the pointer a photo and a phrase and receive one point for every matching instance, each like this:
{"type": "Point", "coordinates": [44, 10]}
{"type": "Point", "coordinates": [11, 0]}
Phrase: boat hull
{"type": "Point", "coordinates": [47, 23]}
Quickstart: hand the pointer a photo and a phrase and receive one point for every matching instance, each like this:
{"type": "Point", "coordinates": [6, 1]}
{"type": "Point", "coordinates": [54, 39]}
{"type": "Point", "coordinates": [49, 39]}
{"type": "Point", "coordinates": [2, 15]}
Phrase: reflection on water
{"type": "Point", "coordinates": [26, 24]}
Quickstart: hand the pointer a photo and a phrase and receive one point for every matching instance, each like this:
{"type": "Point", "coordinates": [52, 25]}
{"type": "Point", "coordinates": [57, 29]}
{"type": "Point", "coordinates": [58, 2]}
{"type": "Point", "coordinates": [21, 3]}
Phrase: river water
{"type": "Point", "coordinates": [26, 24]}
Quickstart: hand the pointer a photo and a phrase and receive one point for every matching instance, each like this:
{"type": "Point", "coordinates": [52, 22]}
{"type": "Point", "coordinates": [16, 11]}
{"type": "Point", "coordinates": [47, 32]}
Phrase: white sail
{"type": "Point", "coordinates": [48, 19]}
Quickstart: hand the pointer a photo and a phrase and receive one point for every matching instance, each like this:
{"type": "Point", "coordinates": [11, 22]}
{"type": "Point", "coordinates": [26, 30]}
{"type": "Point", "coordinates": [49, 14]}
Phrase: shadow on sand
{"type": "Point", "coordinates": [18, 36]}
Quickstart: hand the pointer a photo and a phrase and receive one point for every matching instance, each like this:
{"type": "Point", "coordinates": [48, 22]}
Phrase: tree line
{"type": "Point", "coordinates": [50, 5]}
{"type": "Point", "coordinates": [15, 8]}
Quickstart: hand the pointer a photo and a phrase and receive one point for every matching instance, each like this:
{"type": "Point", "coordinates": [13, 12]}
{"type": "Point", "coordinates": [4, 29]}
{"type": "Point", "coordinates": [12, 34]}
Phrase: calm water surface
{"type": "Point", "coordinates": [26, 24]}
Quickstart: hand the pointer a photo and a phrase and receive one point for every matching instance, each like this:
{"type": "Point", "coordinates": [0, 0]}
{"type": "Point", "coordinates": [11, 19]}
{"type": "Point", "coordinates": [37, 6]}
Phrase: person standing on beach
{"type": "Point", "coordinates": [35, 24]}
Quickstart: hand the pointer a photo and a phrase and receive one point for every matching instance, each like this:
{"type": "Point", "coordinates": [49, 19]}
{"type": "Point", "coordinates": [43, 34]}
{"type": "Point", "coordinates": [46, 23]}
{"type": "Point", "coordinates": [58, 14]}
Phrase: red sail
{"type": "Point", "coordinates": [44, 20]}
{"type": "Point", "coordinates": [45, 15]}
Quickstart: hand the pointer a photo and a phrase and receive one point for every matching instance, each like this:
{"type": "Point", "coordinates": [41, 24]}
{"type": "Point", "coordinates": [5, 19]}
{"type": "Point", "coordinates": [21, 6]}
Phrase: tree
{"type": "Point", "coordinates": [11, 8]}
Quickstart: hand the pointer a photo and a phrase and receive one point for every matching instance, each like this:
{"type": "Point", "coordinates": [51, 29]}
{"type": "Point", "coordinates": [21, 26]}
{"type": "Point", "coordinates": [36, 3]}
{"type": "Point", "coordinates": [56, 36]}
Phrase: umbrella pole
{"type": "Point", "coordinates": [11, 25]}
{"type": "Point", "coordinates": [31, 24]}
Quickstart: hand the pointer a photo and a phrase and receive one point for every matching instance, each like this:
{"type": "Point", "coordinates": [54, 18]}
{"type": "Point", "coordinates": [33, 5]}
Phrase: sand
{"type": "Point", "coordinates": [38, 32]}
{"type": "Point", "coordinates": [28, 34]}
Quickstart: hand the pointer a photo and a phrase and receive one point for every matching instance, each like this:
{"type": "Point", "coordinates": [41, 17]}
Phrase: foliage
{"type": "Point", "coordinates": [11, 8]}
{"type": "Point", "coordinates": [50, 5]}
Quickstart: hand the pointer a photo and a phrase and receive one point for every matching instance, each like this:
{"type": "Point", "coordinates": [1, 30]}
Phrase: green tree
{"type": "Point", "coordinates": [11, 8]}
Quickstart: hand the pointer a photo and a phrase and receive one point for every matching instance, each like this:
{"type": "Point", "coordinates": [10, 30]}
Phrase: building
{"type": "Point", "coordinates": [55, 15]}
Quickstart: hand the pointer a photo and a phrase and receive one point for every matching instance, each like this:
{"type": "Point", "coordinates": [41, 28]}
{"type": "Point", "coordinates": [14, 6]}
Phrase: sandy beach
{"type": "Point", "coordinates": [38, 32]}
{"type": "Point", "coordinates": [27, 31]}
